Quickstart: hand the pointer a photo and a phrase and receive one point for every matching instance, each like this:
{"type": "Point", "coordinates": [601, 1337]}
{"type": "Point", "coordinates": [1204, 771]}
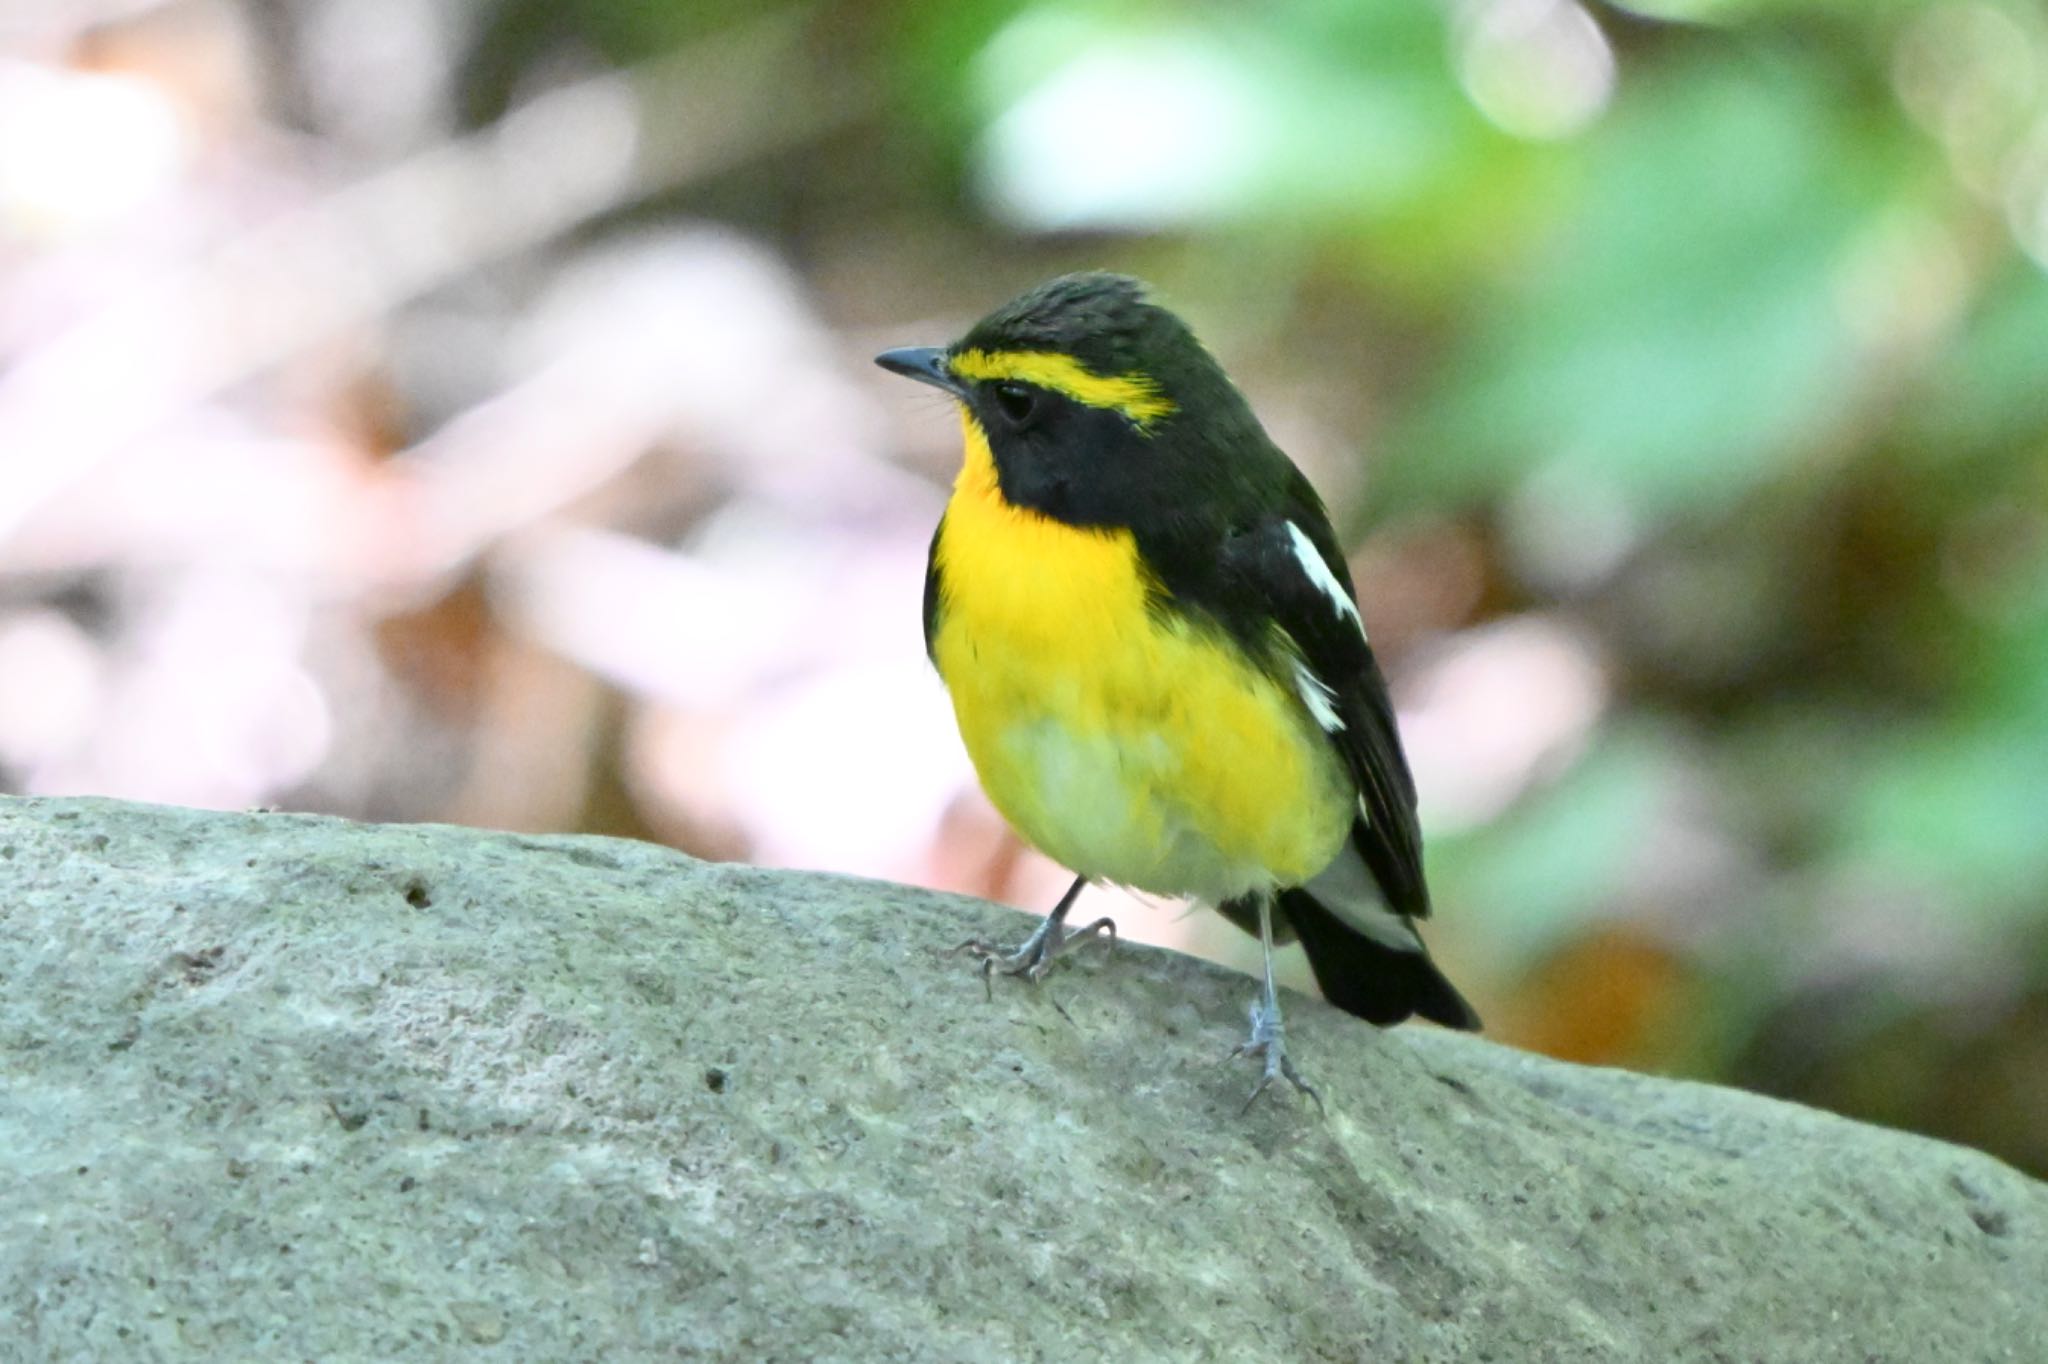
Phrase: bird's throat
{"type": "Point", "coordinates": [1024, 575]}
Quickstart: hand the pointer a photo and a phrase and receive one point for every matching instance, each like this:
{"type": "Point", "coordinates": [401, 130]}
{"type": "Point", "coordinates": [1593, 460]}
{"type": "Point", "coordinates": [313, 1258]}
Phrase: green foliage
{"type": "Point", "coordinates": [1676, 334]}
{"type": "Point", "coordinates": [1983, 395]}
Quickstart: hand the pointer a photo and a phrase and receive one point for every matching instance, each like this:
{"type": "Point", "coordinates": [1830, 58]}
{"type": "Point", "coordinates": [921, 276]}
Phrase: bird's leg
{"type": "Point", "coordinates": [1035, 957]}
{"type": "Point", "coordinates": [1268, 1037]}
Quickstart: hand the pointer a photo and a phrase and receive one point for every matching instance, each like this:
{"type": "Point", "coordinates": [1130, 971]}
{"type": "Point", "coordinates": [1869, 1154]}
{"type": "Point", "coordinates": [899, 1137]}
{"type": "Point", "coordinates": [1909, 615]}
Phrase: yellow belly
{"type": "Point", "coordinates": [1128, 748]}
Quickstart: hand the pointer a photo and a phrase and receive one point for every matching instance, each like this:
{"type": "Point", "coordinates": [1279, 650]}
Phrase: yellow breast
{"type": "Point", "coordinates": [1126, 746]}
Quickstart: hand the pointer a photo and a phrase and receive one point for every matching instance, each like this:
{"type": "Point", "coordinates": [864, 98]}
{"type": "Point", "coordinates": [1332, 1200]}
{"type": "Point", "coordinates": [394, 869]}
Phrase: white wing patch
{"type": "Point", "coordinates": [1311, 560]}
{"type": "Point", "coordinates": [1317, 696]}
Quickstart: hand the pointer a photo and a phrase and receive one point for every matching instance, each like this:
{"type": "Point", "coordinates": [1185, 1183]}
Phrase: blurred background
{"type": "Point", "coordinates": [461, 410]}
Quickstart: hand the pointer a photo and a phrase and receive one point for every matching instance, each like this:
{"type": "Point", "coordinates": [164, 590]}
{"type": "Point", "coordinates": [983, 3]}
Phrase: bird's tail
{"type": "Point", "coordinates": [1363, 976]}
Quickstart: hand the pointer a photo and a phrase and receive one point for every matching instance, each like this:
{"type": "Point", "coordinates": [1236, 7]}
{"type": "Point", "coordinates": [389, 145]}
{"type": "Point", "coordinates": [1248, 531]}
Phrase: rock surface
{"type": "Point", "coordinates": [281, 1087]}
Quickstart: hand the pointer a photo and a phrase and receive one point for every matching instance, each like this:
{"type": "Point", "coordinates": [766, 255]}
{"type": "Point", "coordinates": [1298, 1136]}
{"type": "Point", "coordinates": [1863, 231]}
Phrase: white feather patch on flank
{"type": "Point", "coordinates": [1311, 561]}
{"type": "Point", "coordinates": [1317, 696]}
{"type": "Point", "coordinates": [1347, 890]}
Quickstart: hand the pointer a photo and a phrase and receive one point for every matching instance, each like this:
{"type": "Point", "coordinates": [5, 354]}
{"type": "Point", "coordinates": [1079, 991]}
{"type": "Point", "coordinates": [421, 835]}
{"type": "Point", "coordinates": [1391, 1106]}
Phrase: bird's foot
{"type": "Point", "coordinates": [1268, 1040]}
{"type": "Point", "coordinates": [1035, 957]}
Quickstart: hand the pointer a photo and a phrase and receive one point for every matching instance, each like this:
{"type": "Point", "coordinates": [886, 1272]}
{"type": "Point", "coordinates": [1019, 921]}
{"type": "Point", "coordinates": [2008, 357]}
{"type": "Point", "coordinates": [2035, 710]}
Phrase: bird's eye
{"type": "Point", "coordinates": [1018, 402]}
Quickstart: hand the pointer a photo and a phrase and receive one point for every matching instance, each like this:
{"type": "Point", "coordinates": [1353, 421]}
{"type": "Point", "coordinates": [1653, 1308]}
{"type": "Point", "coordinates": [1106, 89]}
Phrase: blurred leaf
{"type": "Point", "coordinates": [933, 80]}
{"type": "Point", "coordinates": [1986, 392]}
{"type": "Point", "coordinates": [1305, 116]}
{"type": "Point", "coordinates": [1679, 336]}
{"type": "Point", "coordinates": [1557, 860]}
{"type": "Point", "coordinates": [1957, 804]}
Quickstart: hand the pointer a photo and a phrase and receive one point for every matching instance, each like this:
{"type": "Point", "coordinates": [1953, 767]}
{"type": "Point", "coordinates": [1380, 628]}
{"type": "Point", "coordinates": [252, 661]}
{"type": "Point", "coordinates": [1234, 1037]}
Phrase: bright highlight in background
{"type": "Point", "coordinates": [80, 150]}
{"type": "Point", "coordinates": [1537, 68]}
{"type": "Point", "coordinates": [1127, 133]}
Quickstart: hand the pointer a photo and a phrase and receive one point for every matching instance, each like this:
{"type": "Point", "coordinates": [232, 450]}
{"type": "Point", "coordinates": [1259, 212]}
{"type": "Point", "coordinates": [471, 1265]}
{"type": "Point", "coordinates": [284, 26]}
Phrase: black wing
{"type": "Point", "coordinates": [1267, 577]}
{"type": "Point", "coordinates": [931, 592]}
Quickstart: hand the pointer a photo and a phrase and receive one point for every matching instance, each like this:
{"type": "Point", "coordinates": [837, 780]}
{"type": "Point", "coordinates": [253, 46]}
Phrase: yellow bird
{"type": "Point", "coordinates": [1155, 654]}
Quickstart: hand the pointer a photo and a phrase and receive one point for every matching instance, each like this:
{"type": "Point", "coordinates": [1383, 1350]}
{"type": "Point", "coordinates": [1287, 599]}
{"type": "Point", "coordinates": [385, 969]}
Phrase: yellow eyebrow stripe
{"type": "Point", "coordinates": [1134, 395]}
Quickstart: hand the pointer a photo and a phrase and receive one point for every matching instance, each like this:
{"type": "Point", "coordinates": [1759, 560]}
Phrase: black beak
{"type": "Point", "coordinates": [926, 364]}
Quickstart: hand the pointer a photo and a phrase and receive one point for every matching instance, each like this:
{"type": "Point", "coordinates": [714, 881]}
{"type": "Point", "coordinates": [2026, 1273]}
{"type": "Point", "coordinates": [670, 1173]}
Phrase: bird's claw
{"type": "Point", "coordinates": [1032, 960]}
{"type": "Point", "coordinates": [1268, 1040]}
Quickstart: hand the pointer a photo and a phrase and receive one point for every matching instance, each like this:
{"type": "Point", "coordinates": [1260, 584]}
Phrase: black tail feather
{"type": "Point", "coordinates": [1379, 984]}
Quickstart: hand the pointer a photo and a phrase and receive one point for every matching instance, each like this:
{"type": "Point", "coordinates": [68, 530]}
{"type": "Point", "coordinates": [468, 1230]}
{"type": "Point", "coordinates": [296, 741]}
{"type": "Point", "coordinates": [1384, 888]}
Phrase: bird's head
{"type": "Point", "coordinates": [1097, 406]}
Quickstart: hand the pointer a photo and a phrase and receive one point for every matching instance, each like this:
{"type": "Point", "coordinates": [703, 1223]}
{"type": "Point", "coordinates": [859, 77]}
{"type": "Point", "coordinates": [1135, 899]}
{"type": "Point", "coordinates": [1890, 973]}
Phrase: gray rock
{"type": "Point", "coordinates": [292, 1088]}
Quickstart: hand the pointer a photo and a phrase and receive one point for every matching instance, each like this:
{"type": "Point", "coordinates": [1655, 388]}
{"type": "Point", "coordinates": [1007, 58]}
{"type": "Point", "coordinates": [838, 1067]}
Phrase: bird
{"type": "Point", "coordinates": [1156, 658]}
